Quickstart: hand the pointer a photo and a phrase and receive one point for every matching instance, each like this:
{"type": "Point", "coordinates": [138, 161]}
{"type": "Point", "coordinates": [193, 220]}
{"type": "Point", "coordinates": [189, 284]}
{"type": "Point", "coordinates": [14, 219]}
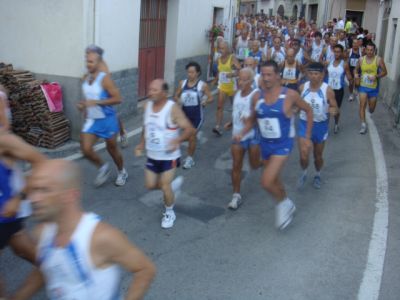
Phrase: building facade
{"type": "Point", "coordinates": [143, 40]}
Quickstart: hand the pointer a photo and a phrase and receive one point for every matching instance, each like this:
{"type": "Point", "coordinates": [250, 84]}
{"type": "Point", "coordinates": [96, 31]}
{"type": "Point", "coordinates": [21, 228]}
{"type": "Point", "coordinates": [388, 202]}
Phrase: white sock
{"type": "Point", "coordinates": [103, 167]}
{"type": "Point", "coordinates": [123, 171]}
{"type": "Point", "coordinates": [169, 208]}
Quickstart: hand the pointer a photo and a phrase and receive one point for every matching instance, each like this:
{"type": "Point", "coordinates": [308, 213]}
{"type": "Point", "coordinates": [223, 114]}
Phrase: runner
{"type": "Point", "coordinates": [322, 100]}
{"type": "Point", "coordinates": [226, 85]}
{"type": "Point", "coordinates": [317, 48]}
{"type": "Point", "coordinates": [13, 206]}
{"type": "Point", "coordinates": [241, 45]}
{"type": "Point", "coordinates": [79, 255]}
{"type": "Point", "coordinates": [277, 52]}
{"type": "Point", "coordinates": [251, 63]}
{"type": "Point", "coordinates": [104, 68]}
{"type": "Point", "coordinates": [372, 68]}
{"type": "Point", "coordinates": [100, 95]}
{"type": "Point", "coordinates": [160, 136]}
{"type": "Point", "coordinates": [328, 53]}
{"type": "Point", "coordinates": [250, 142]}
{"type": "Point", "coordinates": [290, 71]}
{"type": "Point", "coordinates": [189, 94]}
{"type": "Point", "coordinates": [353, 55]}
{"type": "Point", "coordinates": [337, 70]}
{"type": "Point", "coordinates": [257, 54]}
{"type": "Point", "coordinates": [274, 114]}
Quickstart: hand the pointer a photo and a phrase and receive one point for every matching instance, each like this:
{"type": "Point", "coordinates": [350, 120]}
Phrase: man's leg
{"type": "Point", "coordinates": [23, 246]}
{"type": "Point", "coordinates": [372, 104]}
{"type": "Point", "coordinates": [220, 111]}
{"type": "Point", "coordinates": [237, 164]}
{"type": "Point", "coordinates": [113, 150]}
{"type": "Point", "coordinates": [169, 198]}
{"type": "Point", "coordinates": [318, 163]}
{"type": "Point", "coordinates": [255, 160]}
{"type": "Point", "coordinates": [304, 161]}
{"type": "Point", "coordinates": [270, 178]}
{"type": "Point", "coordinates": [87, 142]}
{"type": "Point", "coordinates": [363, 105]}
{"type": "Point", "coordinates": [151, 180]}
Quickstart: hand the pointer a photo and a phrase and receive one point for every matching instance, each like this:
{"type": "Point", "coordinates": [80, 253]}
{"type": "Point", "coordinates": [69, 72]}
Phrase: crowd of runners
{"type": "Point", "coordinates": [275, 74]}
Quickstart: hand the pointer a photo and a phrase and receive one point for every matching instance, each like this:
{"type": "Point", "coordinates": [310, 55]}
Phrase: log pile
{"type": "Point", "coordinates": [31, 117]}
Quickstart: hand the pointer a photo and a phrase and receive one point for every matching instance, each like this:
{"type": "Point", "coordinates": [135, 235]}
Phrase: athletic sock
{"type": "Point", "coordinates": [169, 208]}
{"type": "Point", "coordinates": [318, 173]}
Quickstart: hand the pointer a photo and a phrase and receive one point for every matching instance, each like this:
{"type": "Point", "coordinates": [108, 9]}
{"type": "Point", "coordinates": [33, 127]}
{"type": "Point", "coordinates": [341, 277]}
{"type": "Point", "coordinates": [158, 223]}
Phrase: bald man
{"type": "Point", "coordinates": [161, 137]}
{"type": "Point", "coordinates": [78, 254]}
{"type": "Point", "coordinates": [13, 206]}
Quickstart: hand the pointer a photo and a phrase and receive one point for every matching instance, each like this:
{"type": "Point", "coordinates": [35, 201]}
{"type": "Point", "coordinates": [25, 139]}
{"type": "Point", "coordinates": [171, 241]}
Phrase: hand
{"type": "Point", "coordinates": [237, 138]}
{"type": "Point", "coordinates": [11, 207]}
{"type": "Point", "coordinates": [89, 103]}
{"type": "Point", "coordinates": [308, 144]}
{"type": "Point", "coordinates": [204, 103]}
{"type": "Point", "coordinates": [372, 78]}
{"type": "Point", "coordinates": [139, 150]}
{"type": "Point", "coordinates": [333, 111]}
{"type": "Point", "coordinates": [228, 125]}
{"type": "Point", "coordinates": [81, 105]}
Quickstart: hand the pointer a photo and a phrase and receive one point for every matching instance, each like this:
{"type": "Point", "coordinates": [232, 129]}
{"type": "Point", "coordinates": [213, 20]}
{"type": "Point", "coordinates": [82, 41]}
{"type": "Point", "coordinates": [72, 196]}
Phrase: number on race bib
{"type": "Point", "coordinates": [270, 128]}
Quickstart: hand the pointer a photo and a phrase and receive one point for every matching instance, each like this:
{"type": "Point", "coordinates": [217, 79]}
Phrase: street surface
{"type": "Point", "coordinates": [215, 253]}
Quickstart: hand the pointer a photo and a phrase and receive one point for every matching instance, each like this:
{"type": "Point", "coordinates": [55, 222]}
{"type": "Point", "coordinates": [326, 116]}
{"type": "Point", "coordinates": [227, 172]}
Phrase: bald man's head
{"type": "Point", "coordinates": [250, 62]}
{"type": "Point", "coordinates": [158, 90]}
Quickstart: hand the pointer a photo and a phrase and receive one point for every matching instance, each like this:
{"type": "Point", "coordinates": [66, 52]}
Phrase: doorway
{"type": "Point", "coordinates": [358, 15]}
{"type": "Point", "coordinates": [153, 19]}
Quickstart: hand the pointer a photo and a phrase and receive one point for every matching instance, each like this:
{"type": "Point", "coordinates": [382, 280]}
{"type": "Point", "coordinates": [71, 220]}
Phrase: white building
{"type": "Point", "coordinates": [143, 40]}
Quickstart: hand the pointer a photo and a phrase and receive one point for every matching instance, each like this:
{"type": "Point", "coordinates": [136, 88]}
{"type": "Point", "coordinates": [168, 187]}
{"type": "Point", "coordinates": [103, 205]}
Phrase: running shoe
{"type": "Point", "coordinates": [121, 178]}
{"type": "Point", "coordinates": [351, 97]}
{"type": "Point", "coordinates": [235, 202]}
{"type": "Point", "coordinates": [217, 131]}
{"type": "Point", "coordinates": [317, 182]}
{"type": "Point", "coordinates": [336, 129]}
{"type": "Point", "coordinates": [302, 181]}
{"type": "Point", "coordinates": [363, 129]}
{"type": "Point", "coordinates": [124, 141]}
{"type": "Point", "coordinates": [102, 175]}
{"type": "Point", "coordinates": [176, 185]}
{"type": "Point", "coordinates": [284, 213]}
{"type": "Point", "coordinates": [189, 163]}
{"type": "Point", "coordinates": [168, 219]}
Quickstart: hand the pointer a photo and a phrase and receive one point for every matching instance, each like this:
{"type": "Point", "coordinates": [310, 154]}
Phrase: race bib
{"type": "Point", "coordinates": [366, 80]}
{"type": "Point", "coordinates": [223, 78]}
{"type": "Point", "coordinates": [289, 73]}
{"type": "Point", "coordinates": [316, 106]}
{"type": "Point", "coordinates": [270, 128]}
{"type": "Point", "coordinates": [334, 83]}
{"type": "Point", "coordinates": [315, 56]}
{"type": "Point", "coordinates": [353, 62]}
{"type": "Point", "coordinates": [154, 138]}
{"type": "Point", "coordinates": [189, 98]}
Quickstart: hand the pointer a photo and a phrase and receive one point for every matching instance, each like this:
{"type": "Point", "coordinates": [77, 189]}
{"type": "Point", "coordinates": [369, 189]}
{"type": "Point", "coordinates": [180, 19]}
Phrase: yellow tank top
{"type": "Point", "coordinates": [369, 70]}
{"type": "Point", "coordinates": [223, 70]}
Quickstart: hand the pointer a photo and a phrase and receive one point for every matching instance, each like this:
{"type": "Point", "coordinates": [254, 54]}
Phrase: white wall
{"type": "Point", "coordinates": [393, 69]}
{"type": "Point", "coordinates": [42, 36]}
{"type": "Point", "coordinates": [370, 15]}
{"type": "Point", "coordinates": [171, 47]}
{"type": "Point", "coordinates": [265, 5]}
{"type": "Point", "coordinates": [117, 26]}
{"type": "Point", "coordinates": [195, 18]}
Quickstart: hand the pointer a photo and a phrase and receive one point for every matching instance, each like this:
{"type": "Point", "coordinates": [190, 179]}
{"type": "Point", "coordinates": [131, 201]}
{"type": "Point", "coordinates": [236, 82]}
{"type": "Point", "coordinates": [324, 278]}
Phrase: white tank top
{"type": "Point", "coordinates": [289, 73]}
{"type": "Point", "coordinates": [69, 272]}
{"type": "Point", "coordinates": [241, 47]}
{"type": "Point", "coordinates": [336, 75]}
{"type": "Point", "coordinates": [159, 132]}
{"type": "Point", "coordinates": [316, 51]}
{"type": "Point", "coordinates": [318, 101]}
{"type": "Point", "coordinates": [241, 109]}
{"type": "Point", "coordinates": [330, 55]}
{"type": "Point", "coordinates": [279, 55]}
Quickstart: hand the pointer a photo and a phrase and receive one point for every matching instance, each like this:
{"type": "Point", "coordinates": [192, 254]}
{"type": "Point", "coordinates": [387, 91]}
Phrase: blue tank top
{"type": "Point", "coordinates": [6, 190]}
{"type": "Point", "coordinates": [274, 125]}
{"type": "Point", "coordinates": [191, 100]}
{"type": "Point", "coordinates": [353, 58]}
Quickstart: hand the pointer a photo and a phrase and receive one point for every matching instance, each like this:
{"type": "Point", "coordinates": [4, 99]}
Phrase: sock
{"type": "Point", "coordinates": [103, 167]}
{"type": "Point", "coordinates": [318, 173]}
{"type": "Point", "coordinates": [123, 171]}
{"type": "Point", "coordinates": [169, 208]}
{"type": "Point", "coordinates": [189, 157]}
{"type": "Point", "coordinates": [305, 172]}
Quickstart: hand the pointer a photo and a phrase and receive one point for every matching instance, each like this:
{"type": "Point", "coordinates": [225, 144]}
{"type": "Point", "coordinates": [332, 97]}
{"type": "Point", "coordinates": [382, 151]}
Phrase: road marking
{"type": "Point", "coordinates": [371, 282]}
{"type": "Point", "coordinates": [102, 145]}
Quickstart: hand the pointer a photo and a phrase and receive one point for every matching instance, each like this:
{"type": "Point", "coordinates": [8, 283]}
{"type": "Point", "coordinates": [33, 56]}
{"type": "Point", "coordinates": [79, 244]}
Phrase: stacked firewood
{"type": "Point", "coordinates": [31, 117]}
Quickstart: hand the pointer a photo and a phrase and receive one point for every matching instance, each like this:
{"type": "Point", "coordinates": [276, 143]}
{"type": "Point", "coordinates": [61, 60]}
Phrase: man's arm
{"type": "Point", "coordinates": [333, 107]}
{"type": "Point", "coordinates": [178, 92]}
{"type": "Point", "coordinates": [13, 146]}
{"type": "Point", "coordinates": [207, 92]}
{"type": "Point", "coordinates": [179, 118]}
{"type": "Point", "coordinates": [303, 105]}
{"type": "Point", "coordinates": [348, 73]}
{"type": "Point", "coordinates": [140, 147]}
{"type": "Point", "coordinates": [382, 65]}
{"type": "Point", "coordinates": [4, 122]}
{"type": "Point", "coordinates": [111, 246]}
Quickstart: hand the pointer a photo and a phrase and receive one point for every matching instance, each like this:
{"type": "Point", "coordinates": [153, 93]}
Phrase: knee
{"type": "Point", "coordinates": [267, 184]}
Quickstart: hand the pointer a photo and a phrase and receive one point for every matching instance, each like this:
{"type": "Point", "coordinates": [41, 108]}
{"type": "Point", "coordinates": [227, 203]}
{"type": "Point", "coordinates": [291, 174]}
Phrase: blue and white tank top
{"type": "Point", "coordinates": [278, 56]}
{"type": "Point", "coordinates": [336, 75]}
{"type": "Point", "coordinates": [354, 58]}
{"type": "Point", "coordinates": [318, 101]}
{"type": "Point", "coordinates": [95, 91]}
{"type": "Point", "coordinates": [191, 99]}
{"type": "Point", "coordinates": [274, 125]}
{"type": "Point", "coordinates": [70, 272]}
{"type": "Point", "coordinates": [316, 51]}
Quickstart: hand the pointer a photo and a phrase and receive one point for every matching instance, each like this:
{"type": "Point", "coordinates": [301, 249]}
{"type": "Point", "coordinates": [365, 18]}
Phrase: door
{"type": "Point", "coordinates": [358, 15]}
{"type": "Point", "coordinates": [153, 17]}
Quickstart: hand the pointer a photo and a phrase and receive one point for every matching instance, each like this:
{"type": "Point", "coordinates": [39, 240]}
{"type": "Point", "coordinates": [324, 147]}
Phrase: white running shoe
{"type": "Point", "coordinates": [168, 219]}
{"type": "Point", "coordinates": [351, 97]}
{"type": "Point", "coordinates": [284, 213]}
{"type": "Point", "coordinates": [124, 141]}
{"type": "Point", "coordinates": [121, 178]}
{"type": "Point", "coordinates": [235, 202]}
{"type": "Point", "coordinates": [336, 129]}
{"type": "Point", "coordinates": [302, 180]}
{"type": "Point", "coordinates": [176, 185]}
{"type": "Point", "coordinates": [363, 129]}
{"type": "Point", "coordinates": [189, 163]}
{"type": "Point", "coordinates": [102, 175]}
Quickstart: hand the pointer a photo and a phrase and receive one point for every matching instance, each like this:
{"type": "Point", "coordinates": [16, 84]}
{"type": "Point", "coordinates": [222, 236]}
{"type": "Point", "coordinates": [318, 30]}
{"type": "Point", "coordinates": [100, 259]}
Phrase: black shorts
{"type": "Point", "coordinates": [7, 230]}
{"type": "Point", "coordinates": [339, 96]}
{"type": "Point", "coordinates": [161, 166]}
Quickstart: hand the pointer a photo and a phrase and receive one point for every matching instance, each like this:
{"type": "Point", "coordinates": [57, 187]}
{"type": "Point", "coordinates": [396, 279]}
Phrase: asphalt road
{"type": "Point", "coordinates": [214, 253]}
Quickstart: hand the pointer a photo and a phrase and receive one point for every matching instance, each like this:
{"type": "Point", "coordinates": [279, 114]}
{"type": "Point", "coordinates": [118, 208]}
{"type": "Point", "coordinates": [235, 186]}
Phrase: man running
{"type": "Point", "coordinates": [251, 63]}
{"type": "Point", "coordinates": [241, 45]}
{"type": "Point", "coordinates": [317, 48]}
{"type": "Point", "coordinates": [274, 114]}
{"type": "Point", "coordinates": [353, 55]}
{"type": "Point", "coordinates": [372, 68]}
{"type": "Point", "coordinates": [337, 70]}
{"type": "Point", "coordinates": [290, 70]}
{"type": "Point", "coordinates": [160, 136]}
{"type": "Point", "coordinates": [244, 97]}
{"type": "Point", "coordinates": [189, 94]}
{"type": "Point", "coordinates": [321, 98]}
{"type": "Point", "coordinates": [13, 206]}
{"type": "Point", "coordinates": [79, 255]}
{"type": "Point", "coordinates": [100, 95]}
{"type": "Point", "coordinates": [277, 52]}
{"type": "Point", "coordinates": [227, 66]}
